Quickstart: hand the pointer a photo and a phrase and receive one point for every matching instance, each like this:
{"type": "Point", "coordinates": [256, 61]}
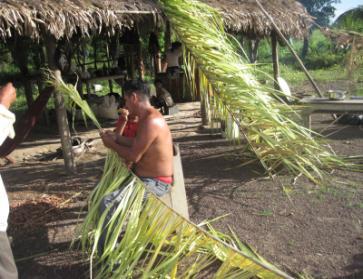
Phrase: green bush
{"type": "Point", "coordinates": [323, 60]}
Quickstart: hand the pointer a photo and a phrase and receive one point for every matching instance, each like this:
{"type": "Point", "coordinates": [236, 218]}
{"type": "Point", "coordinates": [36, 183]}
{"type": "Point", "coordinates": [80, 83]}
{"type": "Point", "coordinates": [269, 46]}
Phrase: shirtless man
{"type": "Point", "coordinates": [151, 150]}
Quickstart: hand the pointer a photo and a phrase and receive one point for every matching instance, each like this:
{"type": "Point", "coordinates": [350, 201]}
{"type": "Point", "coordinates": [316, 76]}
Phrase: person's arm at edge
{"type": "Point", "coordinates": [7, 118]}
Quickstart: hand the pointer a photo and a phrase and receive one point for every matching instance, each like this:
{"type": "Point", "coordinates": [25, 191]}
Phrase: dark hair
{"type": "Point", "coordinates": [158, 80]}
{"type": "Point", "coordinates": [136, 86]}
{"type": "Point", "coordinates": [175, 45]}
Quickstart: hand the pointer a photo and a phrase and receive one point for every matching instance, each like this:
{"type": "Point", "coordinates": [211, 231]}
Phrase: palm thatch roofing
{"type": "Point", "coordinates": [66, 17]}
{"type": "Point", "coordinates": [61, 18]}
{"type": "Point", "coordinates": [244, 16]}
{"type": "Point", "coordinates": [344, 38]}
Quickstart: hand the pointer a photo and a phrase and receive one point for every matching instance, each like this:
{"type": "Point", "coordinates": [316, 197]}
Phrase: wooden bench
{"type": "Point", "coordinates": [177, 198]}
{"type": "Point", "coordinates": [325, 105]}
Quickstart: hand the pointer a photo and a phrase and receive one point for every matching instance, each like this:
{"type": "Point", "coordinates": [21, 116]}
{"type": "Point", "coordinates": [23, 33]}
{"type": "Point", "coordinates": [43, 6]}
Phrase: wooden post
{"type": "Point", "coordinates": [20, 55]}
{"type": "Point", "coordinates": [197, 84]}
{"type": "Point", "coordinates": [167, 38]}
{"type": "Point", "coordinates": [351, 60]}
{"type": "Point", "coordinates": [275, 59]}
{"type": "Point", "coordinates": [139, 58]}
{"type": "Point", "coordinates": [204, 106]}
{"type": "Point", "coordinates": [108, 68]}
{"type": "Point", "coordinates": [51, 44]}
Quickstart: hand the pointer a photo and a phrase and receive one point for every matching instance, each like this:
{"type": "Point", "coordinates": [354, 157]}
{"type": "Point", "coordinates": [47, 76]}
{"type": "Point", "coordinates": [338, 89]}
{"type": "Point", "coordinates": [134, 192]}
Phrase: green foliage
{"type": "Point", "coordinates": [323, 60]}
{"type": "Point", "coordinates": [322, 10]}
{"type": "Point", "coordinates": [351, 20]}
{"type": "Point", "coordinates": [156, 242]}
{"type": "Point", "coordinates": [271, 128]}
{"type": "Point", "coordinates": [322, 52]}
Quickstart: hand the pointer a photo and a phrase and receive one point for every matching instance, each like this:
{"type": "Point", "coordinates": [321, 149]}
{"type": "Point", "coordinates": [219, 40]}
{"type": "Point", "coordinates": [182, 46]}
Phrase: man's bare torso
{"type": "Point", "coordinates": [157, 160]}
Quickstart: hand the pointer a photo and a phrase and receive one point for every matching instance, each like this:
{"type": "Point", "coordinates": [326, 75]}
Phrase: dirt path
{"type": "Point", "coordinates": [302, 229]}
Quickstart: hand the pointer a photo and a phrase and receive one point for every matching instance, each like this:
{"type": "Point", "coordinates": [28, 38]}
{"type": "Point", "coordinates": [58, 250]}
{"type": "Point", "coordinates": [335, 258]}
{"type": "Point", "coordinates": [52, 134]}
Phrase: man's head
{"type": "Point", "coordinates": [158, 83]}
{"type": "Point", "coordinates": [135, 92]}
{"type": "Point", "coordinates": [7, 95]}
{"type": "Point", "coordinates": [175, 45]}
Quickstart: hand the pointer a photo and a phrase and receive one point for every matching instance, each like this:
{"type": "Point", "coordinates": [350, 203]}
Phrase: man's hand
{"type": "Point", "coordinates": [7, 95]}
{"type": "Point", "coordinates": [108, 138]}
{"type": "Point", "coordinates": [124, 113]}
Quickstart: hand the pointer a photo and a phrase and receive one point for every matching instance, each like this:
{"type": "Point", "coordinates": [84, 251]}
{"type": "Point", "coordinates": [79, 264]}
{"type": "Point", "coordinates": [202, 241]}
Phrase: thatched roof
{"type": "Point", "coordinates": [343, 38]}
{"type": "Point", "coordinates": [245, 16]}
{"type": "Point", "coordinates": [65, 17]}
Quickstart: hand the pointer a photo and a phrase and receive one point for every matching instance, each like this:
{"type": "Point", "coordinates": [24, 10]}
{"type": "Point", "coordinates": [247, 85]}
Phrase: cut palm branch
{"type": "Point", "coordinates": [270, 126]}
{"type": "Point", "coordinates": [147, 239]}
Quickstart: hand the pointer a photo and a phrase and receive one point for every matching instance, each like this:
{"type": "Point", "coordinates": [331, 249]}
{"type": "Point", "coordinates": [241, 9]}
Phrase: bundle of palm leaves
{"type": "Point", "coordinates": [271, 127]}
{"type": "Point", "coordinates": [147, 239]}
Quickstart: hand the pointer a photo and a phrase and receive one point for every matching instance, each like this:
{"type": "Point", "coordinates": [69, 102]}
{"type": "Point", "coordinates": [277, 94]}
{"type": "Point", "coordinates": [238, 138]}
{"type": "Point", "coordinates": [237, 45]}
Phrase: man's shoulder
{"type": "Point", "coordinates": [154, 117]}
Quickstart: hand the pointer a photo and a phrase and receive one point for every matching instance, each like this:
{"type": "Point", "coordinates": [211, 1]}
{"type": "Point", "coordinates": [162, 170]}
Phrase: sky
{"type": "Point", "coordinates": [345, 5]}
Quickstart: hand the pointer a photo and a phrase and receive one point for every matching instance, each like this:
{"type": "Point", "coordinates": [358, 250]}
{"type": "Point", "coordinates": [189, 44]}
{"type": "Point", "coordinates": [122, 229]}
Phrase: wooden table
{"type": "Point", "coordinates": [325, 105]}
{"type": "Point", "coordinates": [90, 80]}
{"type": "Point", "coordinates": [109, 77]}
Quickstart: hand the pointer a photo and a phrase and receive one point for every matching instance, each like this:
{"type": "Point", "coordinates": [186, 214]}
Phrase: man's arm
{"type": "Point", "coordinates": [147, 133]}
{"type": "Point", "coordinates": [121, 122]}
{"type": "Point", "coordinates": [124, 140]}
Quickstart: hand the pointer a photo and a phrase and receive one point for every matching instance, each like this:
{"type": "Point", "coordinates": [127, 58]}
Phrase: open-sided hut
{"type": "Point", "coordinates": [48, 21]}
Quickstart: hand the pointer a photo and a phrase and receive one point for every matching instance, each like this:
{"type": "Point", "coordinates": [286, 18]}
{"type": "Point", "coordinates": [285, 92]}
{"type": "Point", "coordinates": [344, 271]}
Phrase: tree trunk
{"type": "Point", "coordinates": [28, 91]}
{"type": "Point", "coordinates": [254, 50]}
{"type": "Point", "coordinates": [305, 48]}
{"type": "Point", "coordinates": [20, 54]}
{"type": "Point", "coordinates": [63, 126]}
{"type": "Point", "coordinates": [167, 38]}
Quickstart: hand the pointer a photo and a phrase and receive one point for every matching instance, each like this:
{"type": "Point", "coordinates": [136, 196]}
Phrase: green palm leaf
{"type": "Point", "coordinates": [270, 127]}
{"type": "Point", "coordinates": [150, 240]}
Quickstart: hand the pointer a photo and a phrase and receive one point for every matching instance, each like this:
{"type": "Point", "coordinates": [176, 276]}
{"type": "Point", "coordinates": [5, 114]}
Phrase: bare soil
{"type": "Point", "coordinates": [302, 228]}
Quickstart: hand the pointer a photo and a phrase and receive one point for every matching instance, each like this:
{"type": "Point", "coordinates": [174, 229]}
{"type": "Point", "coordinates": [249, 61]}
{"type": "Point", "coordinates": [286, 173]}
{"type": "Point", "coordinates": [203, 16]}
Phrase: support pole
{"type": "Point", "coordinates": [318, 91]}
{"type": "Point", "coordinates": [51, 44]}
{"type": "Point", "coordinates": [275, 59]}
{"type": "Point", "coordinates": [167, 37]}
{"type": "Point", "coordinates": [140, 60]}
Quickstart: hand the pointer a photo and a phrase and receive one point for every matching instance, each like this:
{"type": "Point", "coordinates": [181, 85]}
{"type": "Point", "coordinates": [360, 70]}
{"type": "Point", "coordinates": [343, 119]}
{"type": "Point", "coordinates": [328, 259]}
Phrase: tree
{"type": "Point", "coordinates": [322, 10]}
{"type": "Point", "coordinates": [351, 20]}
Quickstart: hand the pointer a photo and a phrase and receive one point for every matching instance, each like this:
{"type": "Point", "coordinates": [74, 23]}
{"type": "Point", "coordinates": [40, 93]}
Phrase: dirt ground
{"type": "Point", "coordinates": [304, 229]}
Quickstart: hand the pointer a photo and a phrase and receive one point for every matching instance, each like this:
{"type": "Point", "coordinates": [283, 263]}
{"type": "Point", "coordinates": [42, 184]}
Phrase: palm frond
{"type": "Point", "coordinates": [147, 239]}
{"type": "Point", "coordinates": [271, 128]}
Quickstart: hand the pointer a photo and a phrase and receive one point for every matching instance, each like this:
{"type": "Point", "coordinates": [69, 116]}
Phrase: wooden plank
{"type": "Point", "coordinates": [275, 59]}
{"type": "Point", "coordinates": [177, 198]}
